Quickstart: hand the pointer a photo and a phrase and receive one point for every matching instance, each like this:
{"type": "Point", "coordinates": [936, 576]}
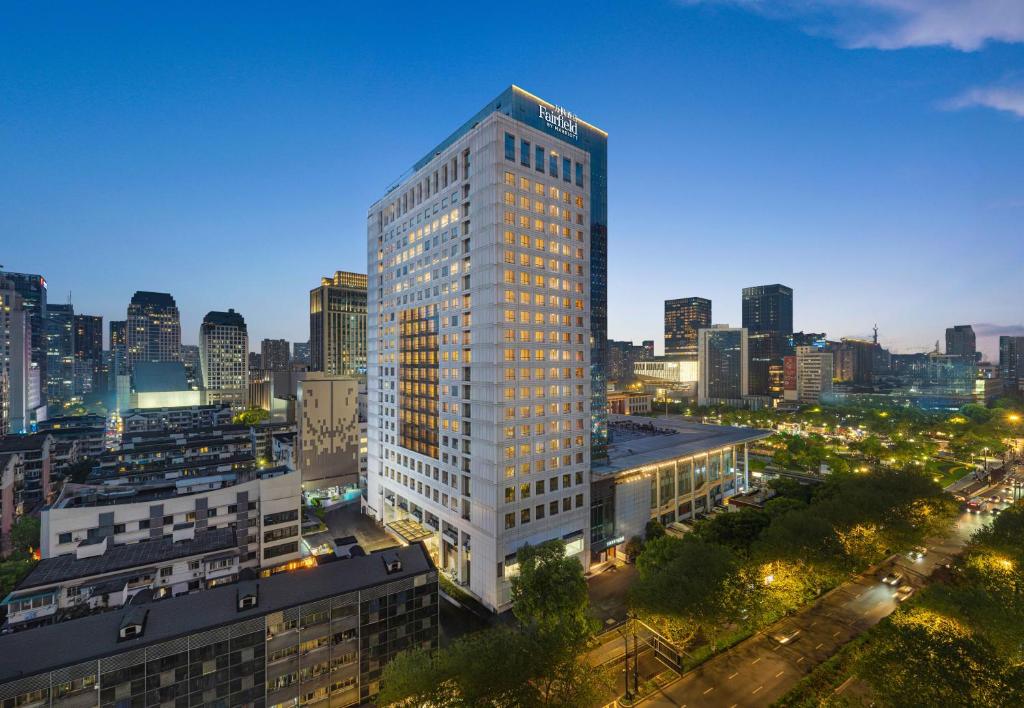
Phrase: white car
{"type": "Point", "coordinates": [902, 593]}
{"type": "Point", "coordinates": [893, 578]}
{"type": "Point", "coordinates": [785, 636]}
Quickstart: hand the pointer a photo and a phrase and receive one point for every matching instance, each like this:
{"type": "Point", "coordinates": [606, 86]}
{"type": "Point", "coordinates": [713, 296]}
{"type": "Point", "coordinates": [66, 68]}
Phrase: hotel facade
{"type": "Point", "coordinates": [487, 333]}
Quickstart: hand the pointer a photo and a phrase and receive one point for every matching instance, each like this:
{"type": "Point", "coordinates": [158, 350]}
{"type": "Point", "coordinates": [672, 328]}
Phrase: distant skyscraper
{"type": "Point", "coordinates": [193, 371]}
{"type": "Point", "coordinates": [300, 352]}
{"type": "Point", "coordinates": [960, 341]}
{"type": "Point", "coordinates": [768, 308]}
{"type": "Point", "coordinates": [813, 374]}
{"type": "Point", "coordinates": [621, 357]}
{"type": "Point", "coordinates": [648, 345]}
{"type": "Point", "coordinates": [768, 319]}
{"type": "Point", "coordinates": [723, 360]}
{"type": "Point", "coordinates": [89, 353]}
{"type": "Point", "coordinates": [224, 358]}
{"type": "Point", "coordinates": [683, 317]}
{"type": "Point", "coordinates": [60, 356]}
{"type": "Point", "coordinates": [1011, 362]}
{"type": "Point", "coordinates": [275, 354]}
{"type": "Point", "coordinates": [118, 346]}
{"type": "Point", "coordinates": [17, 403]}
{"type": "Point", "coordinates": [255, 361]}
{"type": "Point", "coordinates": [337, 325]}
{"type": "Point", "coordinates": [32, 289]}
{"type": "Point", "coordinates": [153, 329]}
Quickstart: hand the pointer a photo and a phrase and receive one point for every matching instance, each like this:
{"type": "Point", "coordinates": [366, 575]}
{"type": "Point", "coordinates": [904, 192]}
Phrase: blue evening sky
{"type": "Point", "coordinates": [868, 153]}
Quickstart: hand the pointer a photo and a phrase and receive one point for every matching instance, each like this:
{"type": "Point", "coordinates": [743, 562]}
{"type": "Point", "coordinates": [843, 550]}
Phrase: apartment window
{"type": "Point", "coordinates": [579, 174]}
{"type": "Point", "coordinates": [510, 146]}
{"type": "Point", "coordinates": [524, 153]}
{"type": "Point", "coordinates": [538, 162]}
{"type": "Point", "coordinates": [281, 550]}
{"type": "Point", "coordinates": [166, 571]}
{"type": "Point", "coordinates": [540, 511]}
{"type": "Point", "coordinates": [64, 538]}
{"type": "Point", "coordinates": [566, 169]}
{"type": "Point", "coordinates": [280, 517]}
{"type": "Point", "coordinates": [510, 520]}
{"type": "Point", "coordinates": [524, 516]}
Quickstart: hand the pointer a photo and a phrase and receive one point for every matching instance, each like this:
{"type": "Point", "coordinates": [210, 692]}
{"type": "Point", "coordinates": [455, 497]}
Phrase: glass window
{"type": "Point", "coordinates": [566, 169]}
{"type": "Point", "coordinates": [714, 463]}
{"type": "Point", "coordinates": [524, 153]}
{"type": "Point", "coordinates": [553, 165]}
{"type": "Point", "coordinates": [683, 477]}
{"type": "Point", "coordinates": [538, 161]}
{"type": "Point", "coordinates": [510, 146]}
{"type": "Point", "coordinates": [579, 174]}
{"type": "Point", "coordinates": [700, 471]}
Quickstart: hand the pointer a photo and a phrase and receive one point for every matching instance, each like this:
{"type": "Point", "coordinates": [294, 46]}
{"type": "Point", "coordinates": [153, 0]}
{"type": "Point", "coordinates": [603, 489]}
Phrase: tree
{"type": "Point", "coordinates": [737, 530]}
{"type": "Point", "coordinates": [923, 658]}
{"type": "Point", "coordinates": [549, 596]}
{"type": "Point", "coordinates": [251, 416]}
{"type": "Point", "coordinates": [25, 535]}
{"type": "Point", "coordinates": [684, 586]}
{"type": "Point", "coordinates": [78, 472]}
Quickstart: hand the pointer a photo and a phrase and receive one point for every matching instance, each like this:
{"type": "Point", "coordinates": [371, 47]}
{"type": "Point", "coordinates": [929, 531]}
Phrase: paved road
{"type": "Point", "coordinates": [759, 670]}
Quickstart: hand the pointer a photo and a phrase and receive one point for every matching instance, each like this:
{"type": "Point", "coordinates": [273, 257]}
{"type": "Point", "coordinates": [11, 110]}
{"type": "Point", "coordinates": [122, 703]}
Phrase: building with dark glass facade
{"type": "Point", "coordinates": [768, 318]}
{"type": "Point", "coordinates": [723, 358]}
{"type": "Point", "coordinates": [960, 341]}
{"type": "Point", "coordinates": [320, 636]}
{"type": "Point", "coordinates": [683, 317]}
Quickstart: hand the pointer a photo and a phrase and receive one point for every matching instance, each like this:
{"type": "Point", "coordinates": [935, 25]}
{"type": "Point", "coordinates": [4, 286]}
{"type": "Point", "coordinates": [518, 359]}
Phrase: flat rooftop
{"type": "Point", "coordinates": [59, 569]}
{"type": "Point", "coordinates": [77, 496]}
{"type": "Point", "coordinates": [639, 441]}
{"type": "Point", "coordinates": [35, 651]}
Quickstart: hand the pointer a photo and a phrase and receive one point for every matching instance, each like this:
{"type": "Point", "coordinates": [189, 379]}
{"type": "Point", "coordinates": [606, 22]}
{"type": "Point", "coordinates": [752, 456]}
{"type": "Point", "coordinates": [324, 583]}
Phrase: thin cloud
{"type": "Point", "coordinates": [1000, 98]}
{"type": "Point", "coordinates": [988, 329]}
{"type": "Point", "coordinates": [966, 25]}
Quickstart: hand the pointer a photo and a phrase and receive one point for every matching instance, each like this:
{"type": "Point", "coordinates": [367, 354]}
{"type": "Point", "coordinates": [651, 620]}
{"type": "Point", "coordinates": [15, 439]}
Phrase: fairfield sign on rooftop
{"type": "Point", "coordinates": [565, 122]}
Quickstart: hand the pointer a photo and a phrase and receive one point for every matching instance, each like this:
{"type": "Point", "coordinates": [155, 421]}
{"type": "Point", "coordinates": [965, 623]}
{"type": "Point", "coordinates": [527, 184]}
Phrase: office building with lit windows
{"type": "Point", "coordinates": [337, 325]}
{"type": "Point", "coordinates": [152, 330]}
{"type": "Point", "coordinates": [224, 358]}
{"type": "Point", "coordinates": [722, 360]}
{"type": "Point", "coordinates": [683, 317]}
{"type": "Point", "coordinates": [487, 341]}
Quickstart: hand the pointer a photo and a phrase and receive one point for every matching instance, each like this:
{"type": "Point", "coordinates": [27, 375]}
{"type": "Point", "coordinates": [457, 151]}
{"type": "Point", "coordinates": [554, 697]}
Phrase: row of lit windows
{"type": "Point", "coordinates": [539, 373]}
{"type": "Point", "coordinates": [539, 189]}
{"type": "Point", "coordinates": [552, 227]}
{"type": "Point", "coordinates": [525, 241]}
{"type": "Point", "coordinates": [539, 487]}
{"type": "Point", "coordinates": [552, 510]}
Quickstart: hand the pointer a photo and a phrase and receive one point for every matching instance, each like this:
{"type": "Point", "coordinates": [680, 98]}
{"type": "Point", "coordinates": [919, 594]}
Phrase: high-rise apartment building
{"type": "Point", "coordinates": [193, 368]}
{"type": "Point", "coordinates": [89, 354]}
{"type": "Point", "coordinates": [683, 317]}
{"type": "Point", "coordinates": [487, 340]}
{"type": "Point", "coordinates": [60, 355]}
{"type": "Point", "coordinates": [32, 289]}
{"type": "Point", "coordinates": [275, 354]}
{"type": "Point", "coordinates": [960, 341]}
{"type": "Point", "coordinates": [337, 325]}
{"type": "Point", "coordinates": [722, 359]}
{"type": "Point", "coordinates": [17, 405]}
{"type": "Point", "coordinates": [118, 347]}
{"type": "Point", "coordinates": [224, 358]}
{"type": "Point", "coordinates": [153, 330]}
{"type": "Point", "coordinates": [813, 374]}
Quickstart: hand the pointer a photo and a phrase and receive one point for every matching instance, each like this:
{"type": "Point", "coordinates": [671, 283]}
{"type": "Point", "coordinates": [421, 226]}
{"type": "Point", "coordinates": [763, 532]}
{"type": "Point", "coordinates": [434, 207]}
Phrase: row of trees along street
{"type": "Point", "coordinates": [960, 641]}
{"type": "Point", "coordinates": [535, 661]}
{"type": "Point", "coordinates": [741, 571]}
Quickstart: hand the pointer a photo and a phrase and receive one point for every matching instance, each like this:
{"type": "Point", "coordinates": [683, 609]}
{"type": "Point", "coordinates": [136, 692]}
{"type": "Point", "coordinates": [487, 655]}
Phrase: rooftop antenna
{"type": "Point", "coordinates": [874, 338]}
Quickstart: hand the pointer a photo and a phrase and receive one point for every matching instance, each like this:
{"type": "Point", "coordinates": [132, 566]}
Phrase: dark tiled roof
{"type": "Point", "coordinates": [43, 649]}
{"type": "Point", "coordinates": [50, 571]}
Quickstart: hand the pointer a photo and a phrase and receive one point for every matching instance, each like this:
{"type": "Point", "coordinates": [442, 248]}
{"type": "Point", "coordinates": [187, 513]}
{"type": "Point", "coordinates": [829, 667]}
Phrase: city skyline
{"type": "Point", "coordinates": [152, 157]}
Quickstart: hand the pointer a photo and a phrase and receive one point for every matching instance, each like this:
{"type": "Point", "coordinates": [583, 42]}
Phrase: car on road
{"type": "Point", "coordinates": [902, 593]}
{"type": "Point", "coordinates": [974, 506]}
{"type": "Point", "coordinates": [785, 636]}
{"type": "Point", "coordinates": [917, 553]}
{"type": "Point", "coordinates": [892, 578]}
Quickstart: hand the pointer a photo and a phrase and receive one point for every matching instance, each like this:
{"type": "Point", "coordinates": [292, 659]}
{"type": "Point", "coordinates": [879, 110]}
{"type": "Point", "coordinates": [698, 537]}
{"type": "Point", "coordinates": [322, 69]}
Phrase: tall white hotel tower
{"type": "Point", "coordinates": [486, 324]}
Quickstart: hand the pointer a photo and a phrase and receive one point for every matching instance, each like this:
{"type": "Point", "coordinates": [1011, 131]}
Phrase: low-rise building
{"type": "Point", "coordinates": [35, 452]}
{"type": "Point", "coordinates": [663, 469]}
{"type": "Point", "coordinates": [668, 369]}
{"type": "Point", "coordinates": [175, 418]}
{"type": "Point", "coordinates": [317, 636]}
{"type": "Point", "coordinates": [12, 503]}
{"type": "Point", "coordinates": [629, 403]}
{"type": "Point", "coordinates": [327, 446]}
{"type": "Point", "coordinates": [101, 575]}
{"type": "Point", "coordinates": [262, 504]}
